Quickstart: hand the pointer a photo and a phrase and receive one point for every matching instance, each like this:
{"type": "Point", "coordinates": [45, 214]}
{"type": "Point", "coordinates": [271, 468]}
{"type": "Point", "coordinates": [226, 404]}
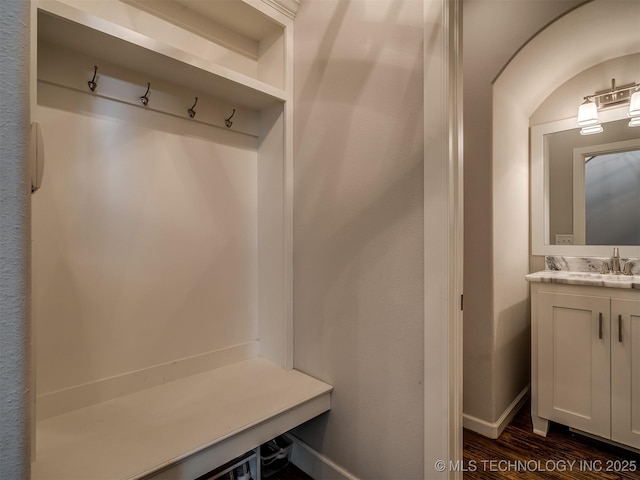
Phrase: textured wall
{"type": "Point", "coordinates": [358, 238]}
{"type": "Point", "coordinates": [14, 245]}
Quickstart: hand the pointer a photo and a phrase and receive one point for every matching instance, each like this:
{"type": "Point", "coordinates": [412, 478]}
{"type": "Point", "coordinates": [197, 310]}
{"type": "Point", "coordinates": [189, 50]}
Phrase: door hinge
{"type": "Point", "coordinates": [461, 302]}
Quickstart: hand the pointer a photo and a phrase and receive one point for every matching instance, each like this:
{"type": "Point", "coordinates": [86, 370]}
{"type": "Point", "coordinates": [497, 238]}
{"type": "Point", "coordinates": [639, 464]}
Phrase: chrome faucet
{"type": "Point", "coordinates": [627, 267]}
{"type": "Point", "coordinates": [615, 262]}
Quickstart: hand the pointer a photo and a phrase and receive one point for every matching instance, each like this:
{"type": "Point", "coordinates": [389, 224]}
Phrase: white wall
{"type": "Point", "coordinates": [358, 238]}
{"type": "Point", "coordinates": [144, 241]}
{"type": "Point", "coordinates": [15, 384]}
{"type": "Point", "coordinates": [495, 355]}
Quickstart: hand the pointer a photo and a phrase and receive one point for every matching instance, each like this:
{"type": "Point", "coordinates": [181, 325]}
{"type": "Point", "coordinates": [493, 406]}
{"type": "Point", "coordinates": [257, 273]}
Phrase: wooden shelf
{"type": "Point", "coordinates": [181, 429]}
{"type": "Point", "coordinates": [61, 24]}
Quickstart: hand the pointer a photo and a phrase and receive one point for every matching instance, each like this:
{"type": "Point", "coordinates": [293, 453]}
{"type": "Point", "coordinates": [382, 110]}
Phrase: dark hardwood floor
{"type": "Point", "coordinates": [545, 458]}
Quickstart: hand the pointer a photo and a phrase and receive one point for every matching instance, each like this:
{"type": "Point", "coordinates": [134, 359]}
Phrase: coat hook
{"type": "Point", "coordinates": [227, 121]}
{"type": "Point", "coordinates": [92, 83]}
{"type": "Point", "coordinates": [191, 111]}
{"type": "Point", "coordinates": [144, 99]}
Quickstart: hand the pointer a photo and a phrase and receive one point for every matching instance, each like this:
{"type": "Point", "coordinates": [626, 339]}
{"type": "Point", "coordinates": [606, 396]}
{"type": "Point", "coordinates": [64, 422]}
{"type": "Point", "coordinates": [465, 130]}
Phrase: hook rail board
{"type": "Point", "coordinates": [60, 67]}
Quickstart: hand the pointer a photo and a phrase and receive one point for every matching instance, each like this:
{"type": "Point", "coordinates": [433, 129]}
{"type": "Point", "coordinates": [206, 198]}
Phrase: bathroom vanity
{"type": "Point", "coordinates": [585, 349]}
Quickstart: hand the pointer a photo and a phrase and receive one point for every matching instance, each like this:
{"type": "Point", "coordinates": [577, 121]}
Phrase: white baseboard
{"type": "Point", "coordinates": [314, 464]}
{"type": "Point", "coordinates": [493, 430]}
{"type": "Point", "coordinates": [68, 399]}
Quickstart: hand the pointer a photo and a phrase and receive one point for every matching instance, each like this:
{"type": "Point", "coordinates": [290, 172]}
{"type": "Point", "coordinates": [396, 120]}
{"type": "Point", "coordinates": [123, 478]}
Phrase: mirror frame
{"type": "Point", "coordinates": [540, 193]}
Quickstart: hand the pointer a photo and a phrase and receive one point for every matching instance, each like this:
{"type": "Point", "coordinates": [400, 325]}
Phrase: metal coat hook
{"type": "Point", "coordinates": [191, 111]}
{"type": "Point", "coordinates": [144, 99]}
{"type": "Point", "coordinates": [227, 121]}
{"type": "Point", "coordinates": [92, 83]}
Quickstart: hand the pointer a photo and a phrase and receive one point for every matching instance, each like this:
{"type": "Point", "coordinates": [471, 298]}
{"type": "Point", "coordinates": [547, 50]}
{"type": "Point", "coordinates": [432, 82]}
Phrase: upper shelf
{"type": "Point", "coordinates": [62, 24]}
{"type": "Point", "coordinates": [233, 23]}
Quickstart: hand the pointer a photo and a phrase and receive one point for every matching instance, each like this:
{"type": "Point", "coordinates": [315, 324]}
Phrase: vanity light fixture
{"type": "Point", "coordinates": [588, 111]}
{"type": "Point", "coordinates": [634, 104]}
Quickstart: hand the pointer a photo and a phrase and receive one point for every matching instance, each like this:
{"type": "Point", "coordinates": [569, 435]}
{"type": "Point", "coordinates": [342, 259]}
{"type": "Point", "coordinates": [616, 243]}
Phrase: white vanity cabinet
{"type": "Point", "coordinates": [625, 371]}
{"type": "Point", "coordinates": [586, 360]}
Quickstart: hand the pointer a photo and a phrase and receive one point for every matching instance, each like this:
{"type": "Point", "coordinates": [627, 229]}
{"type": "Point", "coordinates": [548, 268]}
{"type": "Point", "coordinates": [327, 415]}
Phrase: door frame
{"type": "Point", "coordinates": [443, 238]}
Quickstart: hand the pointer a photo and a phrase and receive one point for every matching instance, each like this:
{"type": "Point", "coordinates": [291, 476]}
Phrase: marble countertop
{"type": "Point", "coordinates": [585, 278]}
{"type": "Point", "coordinates": [586, 271]}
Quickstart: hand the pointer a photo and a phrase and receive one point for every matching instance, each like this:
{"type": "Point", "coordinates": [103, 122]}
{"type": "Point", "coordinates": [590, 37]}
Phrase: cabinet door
{"type": "Point", "coordinates": [625, 372]}
{"type": "Point", "coordinates": [573, 361]}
